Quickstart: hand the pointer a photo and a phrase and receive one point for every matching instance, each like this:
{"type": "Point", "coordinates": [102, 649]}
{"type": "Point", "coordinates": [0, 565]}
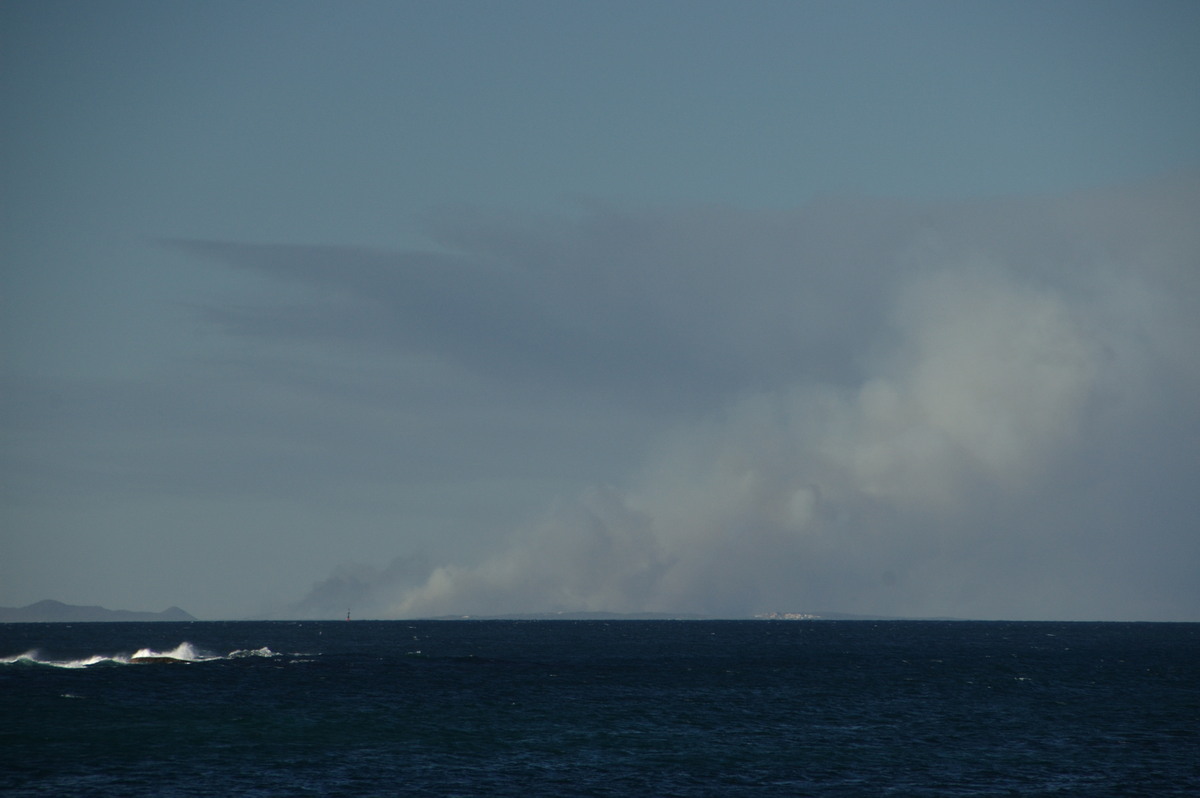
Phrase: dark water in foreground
{"type": "Point", "coordinates": [628, 708]}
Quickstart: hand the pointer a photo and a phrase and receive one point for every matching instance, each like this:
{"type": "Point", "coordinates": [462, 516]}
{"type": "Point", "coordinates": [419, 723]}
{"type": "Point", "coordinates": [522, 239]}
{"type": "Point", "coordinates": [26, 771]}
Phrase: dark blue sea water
{"type": "Point", "coordinates": [624, 708]}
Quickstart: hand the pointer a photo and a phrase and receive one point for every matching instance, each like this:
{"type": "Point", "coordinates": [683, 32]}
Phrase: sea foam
{"type": "Point", "coordinates": [184, 652]}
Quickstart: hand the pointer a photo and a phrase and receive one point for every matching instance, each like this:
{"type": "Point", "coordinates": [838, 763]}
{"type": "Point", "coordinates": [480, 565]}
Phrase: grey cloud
{"type": "Point", "coordinates": [657, 307]}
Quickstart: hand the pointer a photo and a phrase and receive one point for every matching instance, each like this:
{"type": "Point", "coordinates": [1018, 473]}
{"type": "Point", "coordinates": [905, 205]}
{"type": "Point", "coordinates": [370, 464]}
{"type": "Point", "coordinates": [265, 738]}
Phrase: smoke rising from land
{"type": "Point", "coordinates": [987, 384]}
{"type": "Point", "coordinates": [978, 409]}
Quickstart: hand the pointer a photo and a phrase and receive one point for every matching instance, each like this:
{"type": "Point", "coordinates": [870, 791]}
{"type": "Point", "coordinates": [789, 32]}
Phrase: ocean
{"type": "Point", "coordinates": [600, 708]}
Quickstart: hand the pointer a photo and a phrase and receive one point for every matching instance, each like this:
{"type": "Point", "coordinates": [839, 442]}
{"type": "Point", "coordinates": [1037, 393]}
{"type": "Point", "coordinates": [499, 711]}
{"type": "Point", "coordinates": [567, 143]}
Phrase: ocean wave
{"type": "Point", "coordinates": [185, 652]}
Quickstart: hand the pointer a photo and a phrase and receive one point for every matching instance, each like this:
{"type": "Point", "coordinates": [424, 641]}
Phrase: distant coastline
{"type": "Point", "coordinates": [50, 611]}
{"type": "Point", "coordinates": [665, 616]}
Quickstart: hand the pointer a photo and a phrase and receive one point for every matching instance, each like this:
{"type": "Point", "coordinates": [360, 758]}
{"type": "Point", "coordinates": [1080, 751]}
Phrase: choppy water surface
{"type": "Point", "coordinates": [599, 708]}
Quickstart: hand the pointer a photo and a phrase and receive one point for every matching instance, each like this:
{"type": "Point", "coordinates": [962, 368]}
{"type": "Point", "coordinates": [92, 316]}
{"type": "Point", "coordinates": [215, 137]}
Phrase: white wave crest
{"type": "Point", "coordinates": [184, 652]}
{"type": "Point", "coordinates": [35, 658]}
{"type": "Point", "coordinates": [256, 652]}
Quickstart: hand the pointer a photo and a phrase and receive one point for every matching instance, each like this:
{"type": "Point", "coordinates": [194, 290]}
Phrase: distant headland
{"type": "Point", "coordinates": [50, 611]}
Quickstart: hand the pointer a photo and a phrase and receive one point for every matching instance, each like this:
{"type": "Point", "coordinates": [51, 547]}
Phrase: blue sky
{"type": "Point", "coordinates": [373, 302]}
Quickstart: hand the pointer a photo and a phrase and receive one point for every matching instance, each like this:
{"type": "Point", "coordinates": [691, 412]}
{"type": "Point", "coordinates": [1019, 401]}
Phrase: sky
{"type": "Point", "coordinates": [471, 308]}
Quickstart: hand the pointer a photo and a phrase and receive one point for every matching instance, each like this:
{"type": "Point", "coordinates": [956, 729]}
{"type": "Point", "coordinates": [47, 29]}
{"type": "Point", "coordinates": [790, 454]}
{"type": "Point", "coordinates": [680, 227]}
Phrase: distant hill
{"type": "Point", "coordinates": [56, 612]}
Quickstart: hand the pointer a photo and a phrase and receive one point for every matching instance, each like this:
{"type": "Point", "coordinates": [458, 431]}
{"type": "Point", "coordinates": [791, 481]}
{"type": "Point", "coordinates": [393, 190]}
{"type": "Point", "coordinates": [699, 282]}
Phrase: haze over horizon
{"type": "Point", "coordinates": [714, 308]}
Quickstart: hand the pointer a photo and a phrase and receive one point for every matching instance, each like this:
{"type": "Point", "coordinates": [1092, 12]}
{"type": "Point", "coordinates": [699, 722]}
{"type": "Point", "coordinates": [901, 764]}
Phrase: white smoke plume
{"type": "Point", "coordinates": [987, 381]}
{"type": "Point", "coordinates": [990, 411]}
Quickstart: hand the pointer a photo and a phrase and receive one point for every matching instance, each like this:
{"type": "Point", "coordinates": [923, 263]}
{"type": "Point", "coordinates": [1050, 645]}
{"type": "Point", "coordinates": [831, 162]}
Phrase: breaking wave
{"type": "Point", "coordinates": [184, 652]}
